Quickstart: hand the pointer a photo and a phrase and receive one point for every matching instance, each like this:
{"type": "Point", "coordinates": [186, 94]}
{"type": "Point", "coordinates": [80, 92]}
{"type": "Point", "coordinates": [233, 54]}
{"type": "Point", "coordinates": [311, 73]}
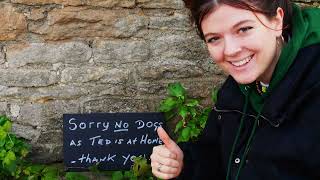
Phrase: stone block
{"type": "Point", "coordinates": [46, 116]}
{"type": "Point", "coordinates": [175, 20]}
{"type": "Point", "coordinates": [71, 22]}
{"type": "Point", "coordinates": [3, 108]}
{"type": "Point", "coordinates": [178, 46]}
{"type": "Point", "coordinates": [27, 78]}
{"type": "Point", "coordinates": [12, 23]}
{"type": "Point", "coordinates": [120, 51]}
{"type": "Point", "coordinates": [94, 74]}
{"type": "Point", "coordinates": [26, 132]}
{"type": "Point", "coordinates": [173, 4]}
{"type": "Point", "coordinates": [36, 53]}
{"type": "Point", "coordinates": [169, 69]}
{"type": "Point", "coordinates": [107, 104]}
{"type": "Point", "coordinates": [97, 3]}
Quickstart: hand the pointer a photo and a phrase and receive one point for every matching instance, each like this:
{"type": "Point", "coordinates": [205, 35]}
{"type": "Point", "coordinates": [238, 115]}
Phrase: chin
{"type": "Point", "coordinates": [244, 80]}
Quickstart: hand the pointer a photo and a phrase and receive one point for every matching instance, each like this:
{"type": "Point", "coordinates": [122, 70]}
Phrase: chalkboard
{"type": "Point", "coordinates": [110, 139]}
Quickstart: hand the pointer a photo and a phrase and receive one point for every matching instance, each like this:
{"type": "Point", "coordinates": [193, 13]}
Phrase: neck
{"type": "Point", "coordinates": [267, 75]}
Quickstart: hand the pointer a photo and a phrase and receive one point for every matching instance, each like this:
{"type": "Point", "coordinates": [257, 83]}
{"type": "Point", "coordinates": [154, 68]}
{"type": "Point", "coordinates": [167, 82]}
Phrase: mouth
{"type": "Point", "coordinates": [242, 62]}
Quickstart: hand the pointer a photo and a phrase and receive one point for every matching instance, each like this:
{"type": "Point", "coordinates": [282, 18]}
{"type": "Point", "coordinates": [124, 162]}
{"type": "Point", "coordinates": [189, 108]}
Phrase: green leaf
{"type": "Point", "coordinates": [3, 153]}
{"type": "Point", "coordinates": [36, 168]}
{"type": "Point", "coordinates": [140, 166]}
{"type": "Point", "coordinates": [168, 104]}
{"type": "Point", "coordinates": [183, 112]}
{"type": "Point", "coordinates": [75, 176]}
{"type": "Point", "coordinates": [117, 175]}
{"type": "Point", "coordinates": [176, 90]}
{"type": "Point", "coordinates": [178, 126]}
{"type": "Point", "coordinates": [50, 173]}
{"type": "Point", "coordinates": [185, 133]}
{"type": "Point", "coordinates": [24, 152]}
{"type": "Point", "coordinates": [192, 102]}
{"type": "Point", "coordinates": [3, 134]}
{"type": "Point", "coordinates": [9, 157]}
{"type": "Point", "coordinates": [3, 119]}
{"type": "Point", "coordinates": [7, 126]}
{"type": "Point", "coordinates": [9, 144]}
{"type": "Point", "coordinates": [214, 95]}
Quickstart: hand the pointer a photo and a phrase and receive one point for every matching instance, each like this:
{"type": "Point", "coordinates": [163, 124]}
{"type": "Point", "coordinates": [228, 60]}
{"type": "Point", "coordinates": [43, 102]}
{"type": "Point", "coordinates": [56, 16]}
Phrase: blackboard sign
{"type": "Point", "coordinates": [110, 139]}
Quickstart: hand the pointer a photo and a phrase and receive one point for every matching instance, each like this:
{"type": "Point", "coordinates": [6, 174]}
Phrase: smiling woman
{"type": "Point", "coordinates": [264, 124]}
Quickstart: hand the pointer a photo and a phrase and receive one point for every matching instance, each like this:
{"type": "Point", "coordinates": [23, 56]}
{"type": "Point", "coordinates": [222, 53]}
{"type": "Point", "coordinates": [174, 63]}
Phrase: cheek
{"type": "Point", "coordinates": [215, 54]}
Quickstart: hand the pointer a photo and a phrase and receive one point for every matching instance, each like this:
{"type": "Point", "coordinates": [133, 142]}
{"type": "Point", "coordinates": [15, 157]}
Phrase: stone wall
{"type": "Point", "coordinates": [82, 56]}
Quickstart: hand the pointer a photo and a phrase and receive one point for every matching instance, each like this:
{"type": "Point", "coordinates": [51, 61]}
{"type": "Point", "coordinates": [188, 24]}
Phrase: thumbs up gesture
{"type": "Point", "coordinates": [166, 159]}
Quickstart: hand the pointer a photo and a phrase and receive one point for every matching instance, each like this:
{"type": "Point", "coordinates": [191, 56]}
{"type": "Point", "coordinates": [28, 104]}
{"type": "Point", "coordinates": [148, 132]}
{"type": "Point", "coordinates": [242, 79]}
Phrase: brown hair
{"type": "Point", "coordinates": [199, 8]}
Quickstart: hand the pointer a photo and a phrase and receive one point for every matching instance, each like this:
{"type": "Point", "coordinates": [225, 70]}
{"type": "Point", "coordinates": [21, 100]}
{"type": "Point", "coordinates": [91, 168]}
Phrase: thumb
{"type": "Point", "coordinates": [168, 142]}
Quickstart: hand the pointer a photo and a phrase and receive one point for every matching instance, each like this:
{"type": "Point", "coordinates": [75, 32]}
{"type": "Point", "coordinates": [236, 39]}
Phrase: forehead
{"type": "Point", "coordinates": [225, 17]}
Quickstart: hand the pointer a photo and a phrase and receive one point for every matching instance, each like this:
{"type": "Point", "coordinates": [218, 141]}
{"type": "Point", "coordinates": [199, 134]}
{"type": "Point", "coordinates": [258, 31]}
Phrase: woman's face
{"type": "Point", "coordinates": [243, 43]}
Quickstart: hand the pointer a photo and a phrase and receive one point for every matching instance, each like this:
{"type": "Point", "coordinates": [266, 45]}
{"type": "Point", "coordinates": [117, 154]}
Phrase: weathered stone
{"type": "Point", "coordinates": [2, 57]}
{"type": "Point", "coordinates": [98, 3]}
{"type": "Point", "coordinates": [103, 75]}
{"type": "Point", "coordinates": [44, 153]}
{"type": "Point", "coordinates": [117, 51]}
{"type": "Point", "coordinates": [26, 132]}
{"type": "Point", "coordinates": [14, 110]}
{"type": "Point", "coordinates": [175, 20]}
{"type": "Point", "coordinates": [45, 94]}
{"type": "Point", "coordinates": [3, 108]}
{"type": "Point", "coordinates": [27, 78]}
{"type": "Point", "coordinates": [81, 75]}
{"type": "Point", "coordinates": [173, 4]}
{"type": "Point", "coordinates": [43, 53]}
{"type": "Point", "coordinates": [12, 24]}
{"type": "Point", "coordinates": [115, 105]}
{"type": "Point", "coordinates": [169, 69]}
{"type": "Point", "coordinates": [36, 14]}
{"type": "Point", "coordinates": [72, 22]}
{"type": "Point", "coordinates": [46, 116]}
{"type": "Point", "coordinates": [178, 46]}
{"type": "Point", "coordinates": [153, 88]}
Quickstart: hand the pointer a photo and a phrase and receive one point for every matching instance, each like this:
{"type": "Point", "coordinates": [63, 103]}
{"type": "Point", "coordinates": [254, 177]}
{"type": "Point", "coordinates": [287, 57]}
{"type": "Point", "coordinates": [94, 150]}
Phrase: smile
{"type": "Point", "coordinates": [242, 62]}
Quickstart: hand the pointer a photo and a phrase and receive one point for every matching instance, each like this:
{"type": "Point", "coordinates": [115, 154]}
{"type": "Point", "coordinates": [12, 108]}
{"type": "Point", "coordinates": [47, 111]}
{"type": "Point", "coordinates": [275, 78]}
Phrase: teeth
{"type": "Point", "coordinates": [242, 62]}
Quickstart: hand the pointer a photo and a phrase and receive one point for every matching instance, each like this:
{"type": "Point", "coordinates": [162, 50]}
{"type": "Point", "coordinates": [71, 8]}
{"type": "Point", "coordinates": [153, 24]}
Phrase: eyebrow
{"type": "Point", "coordinates": [234, 26]}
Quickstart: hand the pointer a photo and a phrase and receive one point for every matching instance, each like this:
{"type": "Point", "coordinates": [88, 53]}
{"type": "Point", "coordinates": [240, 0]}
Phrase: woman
{"type": "Point", "coordinates": [265, 123]}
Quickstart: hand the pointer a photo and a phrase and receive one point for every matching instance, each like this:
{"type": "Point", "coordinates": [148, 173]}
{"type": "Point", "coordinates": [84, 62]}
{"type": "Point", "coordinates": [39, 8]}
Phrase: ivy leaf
{"type": "Point", "coordinates": [178, 126]}
{"type": "Point", "coordinates": [7, 126]}
{"type": "Point", "coordinates": [9, 144]}
{"type": "Point", "coordinates": [183, 112]}
{"type": "Point", "coordinates": [140, 166]}
{"type": "Point", "coordinates": [3, 134]}
{"type": "Point", "coordinates": [117, 175]}
{"type": "Point", "coordinates": [214, 95]}
{"type": "Point", "coordinates": [168, 104]}
{"type": "Point", "coordinates": [75, 176]}
{"type": "Point", "coordinates": [50, 173]}
{"type": "Point", "coordinates": [192, 102]}
{"type": "Point", "coordinates": [185, 134]}
{"type": "Point", "coordinates": [3, 119]}
{"type": "Point", "coordinates": [9, 157]}
{"type": "Point", "coordinates": [3, 153]}
{"type": "Point", "coordinates": [36, 169]}
{"type": "Point", "coordinates": [24, 152]}
{"type": "Point", "coordinates": [176, 90]}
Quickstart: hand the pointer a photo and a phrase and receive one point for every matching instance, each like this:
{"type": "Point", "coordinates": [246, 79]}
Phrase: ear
{"type": "Point", "coordinates": [278, 21]}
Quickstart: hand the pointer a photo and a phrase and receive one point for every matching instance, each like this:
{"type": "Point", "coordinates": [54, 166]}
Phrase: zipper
{"type": "Point", "coordinates": [251, 115]}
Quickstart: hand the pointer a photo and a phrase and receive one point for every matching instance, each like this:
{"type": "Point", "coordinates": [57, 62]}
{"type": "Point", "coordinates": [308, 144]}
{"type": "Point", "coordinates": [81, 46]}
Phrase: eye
{"type": "Point", "coordinates": [245, 29]}
{"type": "Point", "coordinates": [213, 39]}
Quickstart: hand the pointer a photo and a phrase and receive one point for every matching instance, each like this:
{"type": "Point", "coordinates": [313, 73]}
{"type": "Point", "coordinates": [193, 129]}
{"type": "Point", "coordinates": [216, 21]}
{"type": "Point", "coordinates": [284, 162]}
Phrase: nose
{"type": "Point", "coordinates": [231, 46]}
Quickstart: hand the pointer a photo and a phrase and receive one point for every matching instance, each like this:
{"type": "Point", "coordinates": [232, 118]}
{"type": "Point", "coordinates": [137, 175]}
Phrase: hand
{"type": "Point", "coordinates": [167, 159]}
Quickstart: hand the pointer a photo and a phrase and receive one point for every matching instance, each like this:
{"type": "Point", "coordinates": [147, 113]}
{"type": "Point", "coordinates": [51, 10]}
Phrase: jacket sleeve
{"type": "Point", "coordinates": [202, 158]}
